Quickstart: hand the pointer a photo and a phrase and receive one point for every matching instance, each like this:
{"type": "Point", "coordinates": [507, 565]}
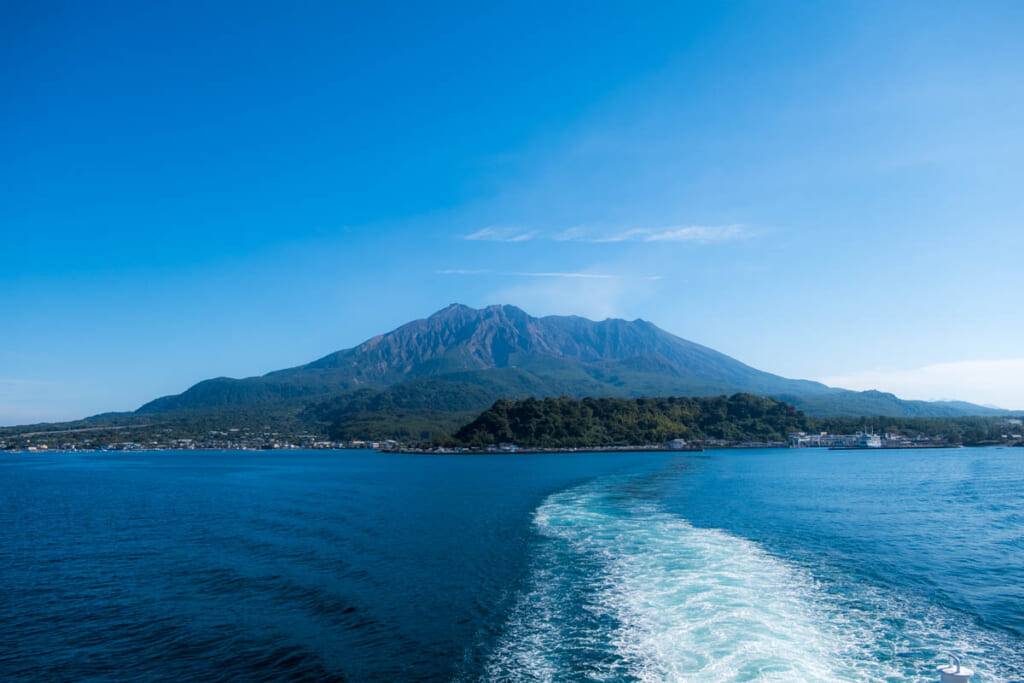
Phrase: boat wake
{"type": "Point", "coordinates": [622, 591]}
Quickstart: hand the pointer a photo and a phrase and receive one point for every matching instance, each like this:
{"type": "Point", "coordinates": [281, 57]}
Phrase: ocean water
{"type": "Point", "coordinates": [778, 565]}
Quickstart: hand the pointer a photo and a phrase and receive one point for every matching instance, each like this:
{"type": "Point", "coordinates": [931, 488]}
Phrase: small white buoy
{"type": "Point", "coordinates": [954, 673]}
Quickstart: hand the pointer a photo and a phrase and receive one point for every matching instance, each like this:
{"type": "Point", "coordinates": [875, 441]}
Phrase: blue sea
{"type": "Point", "coordinates": [746, 565]}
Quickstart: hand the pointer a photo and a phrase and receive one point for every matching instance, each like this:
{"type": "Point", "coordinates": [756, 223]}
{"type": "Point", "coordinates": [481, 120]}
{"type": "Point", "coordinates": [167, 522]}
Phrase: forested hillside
{"type": "Point", "coordinates": [566, 422]}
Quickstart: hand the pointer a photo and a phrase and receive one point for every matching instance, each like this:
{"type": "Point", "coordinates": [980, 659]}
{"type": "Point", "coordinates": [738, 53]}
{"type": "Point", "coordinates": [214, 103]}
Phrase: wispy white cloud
{"type": "Point", "coordinates": [693, 234]}
{"type": "Point", "coordinates": [496, 234]}
{"type": "Point", "coordinates": [987, 382]}
{"type": "Point", "coordinates": [631, 235]}
{"type": "Point", "coordinates": [699, 233]}
{"type": "Point", "coordinates": [582, 275]}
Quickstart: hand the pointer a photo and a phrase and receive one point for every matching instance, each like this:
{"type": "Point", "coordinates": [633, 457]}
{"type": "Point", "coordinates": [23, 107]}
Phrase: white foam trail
{"type": "Point", "coordinates": [622, 591]}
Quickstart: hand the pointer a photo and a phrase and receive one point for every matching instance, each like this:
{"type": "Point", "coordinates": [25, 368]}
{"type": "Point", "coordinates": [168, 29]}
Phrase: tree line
{"type": "Point", "coordinates": [579, 423]}
{"type": "Point", "coordinates": [571, 423]}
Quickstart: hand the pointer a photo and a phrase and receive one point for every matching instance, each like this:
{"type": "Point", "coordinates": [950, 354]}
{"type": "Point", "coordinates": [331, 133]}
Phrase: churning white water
{"type": "Point", "coordinates": [621, 590]}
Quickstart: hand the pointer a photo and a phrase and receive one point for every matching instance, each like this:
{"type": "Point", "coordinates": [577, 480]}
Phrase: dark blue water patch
{"type": "Point", "coordinates": [363, 566]}
{"type": "Point", "coordinates": [251, 566]}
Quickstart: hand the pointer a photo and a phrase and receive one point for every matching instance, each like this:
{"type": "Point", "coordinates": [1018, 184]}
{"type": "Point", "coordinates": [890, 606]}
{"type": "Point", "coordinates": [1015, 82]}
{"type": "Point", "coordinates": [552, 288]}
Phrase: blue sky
{"type": "Point", "coordinates": [822, 190]}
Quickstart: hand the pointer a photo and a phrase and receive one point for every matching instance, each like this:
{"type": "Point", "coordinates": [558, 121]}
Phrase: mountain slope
{"type": "Point", "coordinates": [462, 359]}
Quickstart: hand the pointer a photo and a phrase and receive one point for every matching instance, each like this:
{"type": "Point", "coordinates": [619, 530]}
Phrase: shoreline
{"type": "Point", "coordinates": [517, 451]}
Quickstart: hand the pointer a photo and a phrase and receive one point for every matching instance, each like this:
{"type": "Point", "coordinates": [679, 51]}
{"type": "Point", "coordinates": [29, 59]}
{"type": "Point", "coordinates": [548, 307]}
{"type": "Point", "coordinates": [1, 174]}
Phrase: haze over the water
{"type": "Point", "coordinates": [821, 191]}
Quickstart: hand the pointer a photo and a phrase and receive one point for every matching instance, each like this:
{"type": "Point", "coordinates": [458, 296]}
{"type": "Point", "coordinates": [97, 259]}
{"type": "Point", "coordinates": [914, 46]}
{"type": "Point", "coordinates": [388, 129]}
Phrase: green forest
{"type": "Point", "coordinates": [567, 422]}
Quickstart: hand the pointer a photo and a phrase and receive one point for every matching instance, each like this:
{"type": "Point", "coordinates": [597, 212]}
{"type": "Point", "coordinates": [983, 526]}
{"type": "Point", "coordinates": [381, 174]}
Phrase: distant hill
{"type": "Point", "coordinates": [457, 362]}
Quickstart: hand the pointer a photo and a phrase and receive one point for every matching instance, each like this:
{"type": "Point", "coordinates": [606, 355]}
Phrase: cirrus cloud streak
{"type": "Point", "coordinates": [582, 275]}
{"type": "Point", "coordinates": [499, 234]}
{"type": "Point", "coordinates": [693, 234]}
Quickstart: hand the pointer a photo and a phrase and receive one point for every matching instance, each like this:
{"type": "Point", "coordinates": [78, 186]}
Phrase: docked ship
{"type": "Point", "coordinates": [869, 441]}
{"type": "Point", "coordinates": [864, 440]}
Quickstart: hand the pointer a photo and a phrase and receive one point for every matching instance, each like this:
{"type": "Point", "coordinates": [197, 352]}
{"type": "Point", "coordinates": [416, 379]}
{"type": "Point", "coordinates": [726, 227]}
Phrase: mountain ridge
{"type": "Point", "coordinates": [500, 351]}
